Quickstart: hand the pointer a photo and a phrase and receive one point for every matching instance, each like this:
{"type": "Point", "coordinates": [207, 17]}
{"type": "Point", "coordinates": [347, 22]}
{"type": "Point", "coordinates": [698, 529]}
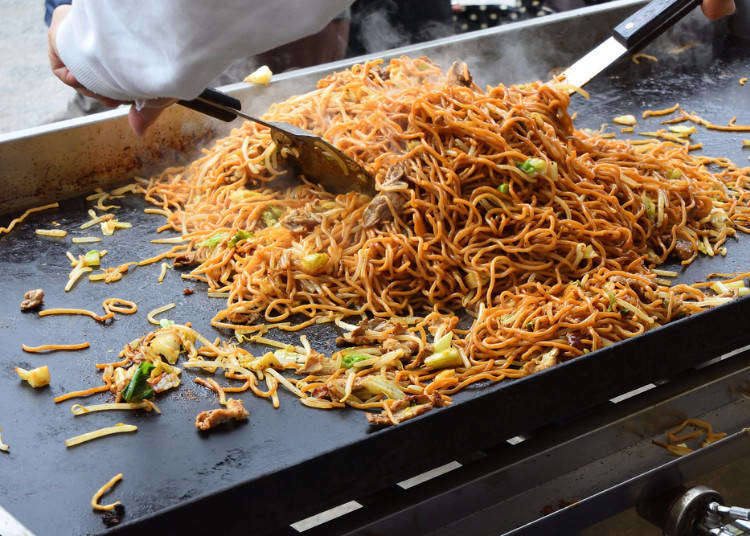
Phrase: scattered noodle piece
{"type": "Point", "coordinates": [3, 446]}
{"type": "Point", "coordinates": [124, 363]}
{"type": "Point", "coordinates": [110, 275]}
{"type": "Point", "coordinates": [82, 393]}
{"type": "Point", "coordinates": [674, 120]}
{"type": "Point", "coordinates": [100, 206]}
{"type": "Point", "coordinates": [680, 49]}
{"type": "Point", "coordinates": [711, 126]}
{"type": "Point", "coordinates": [115, 305]}
{"type": "Point", "coordinates": [54, 233]}
{"type": "Point", "coordinates": [22, 217]}
{"type": "Point", "coordinates": [101, 491]}
{"type": "Point", "coordinates": [102, 196]}
{"type": "Point", "coordinates": [86, 239]}
{"type": "Point", "coordinates": [678, 450]}
{"type": "Point", "coordinates": [163, 272]}
{"type": "Point", "coordinates": [78, 409]}
{"type": "Point", "coordinates": [666, 111]}
{"type": "Point", "coordinates": [157, 311]}
{"type": "Point", "coordinates": [701, 428]}
{"type": "Point", "coordinates": [638, 57]}
{"type": "Point", "coordinates": [171, 253]}
{"type": "Point", "coordinates": [84, 312]}
{"type": "Point", "coordinates": [159, 211]}
{"type": "Point", "coordinates": [743, 81]}
{"type": "Point", "coordinates": [96, 219]}
{"type": "Point", "coordinates": [582, 92]}
{"type": "Point", "coordinates": [703, 431]}
{"type": "Point", "coordinates": [214, 386]}
{"type": "Point", "coordinates": [678, 137]}
{"type": "Point", "coordinates": [127, 189]}
{"type": "Point", "coordinates": [119, 428]}
{"type": "Point", "coordinates": [55, 347]}
{"type": "Point", "coordinates": [173, 240]}
{"type": "Point", "coordinates": [286, 383]}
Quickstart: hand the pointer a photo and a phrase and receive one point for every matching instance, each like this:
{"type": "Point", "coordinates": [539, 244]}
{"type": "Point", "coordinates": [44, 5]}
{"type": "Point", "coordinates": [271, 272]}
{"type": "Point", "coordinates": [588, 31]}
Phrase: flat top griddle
{"type": "Point", "coordinates": [285, 464]}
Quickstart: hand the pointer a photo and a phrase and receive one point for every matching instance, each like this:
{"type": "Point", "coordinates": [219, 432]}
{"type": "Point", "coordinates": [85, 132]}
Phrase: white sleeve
{"type": "Point", "coordinates": [143, 49]}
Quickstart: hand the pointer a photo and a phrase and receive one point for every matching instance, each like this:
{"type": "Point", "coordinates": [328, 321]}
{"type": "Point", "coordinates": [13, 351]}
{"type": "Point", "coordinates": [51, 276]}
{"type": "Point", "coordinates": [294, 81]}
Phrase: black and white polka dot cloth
{"type": "Point", "coordinates": [471, 15]}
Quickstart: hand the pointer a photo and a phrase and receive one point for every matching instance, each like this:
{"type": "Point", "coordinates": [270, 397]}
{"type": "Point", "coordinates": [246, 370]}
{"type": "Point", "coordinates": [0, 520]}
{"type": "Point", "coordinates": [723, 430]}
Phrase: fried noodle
{"type": "Point", "coordinates": [490, 201]}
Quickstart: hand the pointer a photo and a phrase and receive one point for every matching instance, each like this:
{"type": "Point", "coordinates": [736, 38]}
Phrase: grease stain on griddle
{"type": "Point", "coordinates": [185, 393]}
{"type": "Point", "coordinates": [233, 459]}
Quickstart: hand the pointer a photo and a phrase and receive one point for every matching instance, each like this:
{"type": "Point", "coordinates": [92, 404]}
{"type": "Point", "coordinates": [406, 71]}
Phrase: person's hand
{"type": "Point", "coordinates": [58, 67]}
{"type": "Point", "coordinates": [716, 9]}
{"type": "Point", "coordinates": [139, 119]}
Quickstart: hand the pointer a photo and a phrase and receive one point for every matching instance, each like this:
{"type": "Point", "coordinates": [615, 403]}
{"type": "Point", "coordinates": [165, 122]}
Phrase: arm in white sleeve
{"type": "Point", "coordinates": [144, 49]}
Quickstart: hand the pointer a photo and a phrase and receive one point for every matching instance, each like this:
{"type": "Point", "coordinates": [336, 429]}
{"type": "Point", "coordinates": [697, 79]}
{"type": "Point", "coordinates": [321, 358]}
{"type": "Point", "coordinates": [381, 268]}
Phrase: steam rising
{"type": "Point", "coordinates": [379, 34]}
{"type": "Point", "coordinates": [383, 25]}
{"type": "Point", "coordinates": [521, 61]}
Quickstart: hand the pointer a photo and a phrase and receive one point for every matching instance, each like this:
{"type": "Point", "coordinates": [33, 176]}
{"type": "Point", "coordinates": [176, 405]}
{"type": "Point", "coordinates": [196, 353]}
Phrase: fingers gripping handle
{"type": "Point", "coordinates": [203, 102]}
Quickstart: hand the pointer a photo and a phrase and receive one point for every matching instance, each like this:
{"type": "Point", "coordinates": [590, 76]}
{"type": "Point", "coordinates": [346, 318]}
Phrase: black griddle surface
{"type": "Point", "coordinates": [170, 469]}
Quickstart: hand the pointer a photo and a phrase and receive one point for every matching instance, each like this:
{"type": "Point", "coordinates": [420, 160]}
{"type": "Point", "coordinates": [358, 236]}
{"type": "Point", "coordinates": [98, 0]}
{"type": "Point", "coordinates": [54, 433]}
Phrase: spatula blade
{"type": "Point", "coordinates": [321, 162]}
{"type": "Point", "coordinates": [597, 60]}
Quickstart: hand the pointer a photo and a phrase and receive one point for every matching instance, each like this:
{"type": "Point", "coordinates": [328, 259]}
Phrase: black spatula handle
{"type": "Point", "coordinates": [652, 20]}
{"type": "Point", "coordinates": [202, 104]}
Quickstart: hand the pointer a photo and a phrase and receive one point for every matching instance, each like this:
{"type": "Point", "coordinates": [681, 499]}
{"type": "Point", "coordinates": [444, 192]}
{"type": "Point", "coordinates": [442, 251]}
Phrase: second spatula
{"type": "Point", "coordinates": [630, 36]}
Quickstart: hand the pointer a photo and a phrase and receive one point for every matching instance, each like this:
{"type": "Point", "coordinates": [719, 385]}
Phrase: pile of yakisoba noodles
{"type": "Point", "coordinates": [490, 202]}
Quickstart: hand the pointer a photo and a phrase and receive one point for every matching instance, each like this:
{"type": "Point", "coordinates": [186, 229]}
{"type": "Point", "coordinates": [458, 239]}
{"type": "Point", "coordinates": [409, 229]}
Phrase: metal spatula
{"type": "Point", "coordinates": [313, 156]}
{"type": "Point", "coordinates": [630, 36]}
